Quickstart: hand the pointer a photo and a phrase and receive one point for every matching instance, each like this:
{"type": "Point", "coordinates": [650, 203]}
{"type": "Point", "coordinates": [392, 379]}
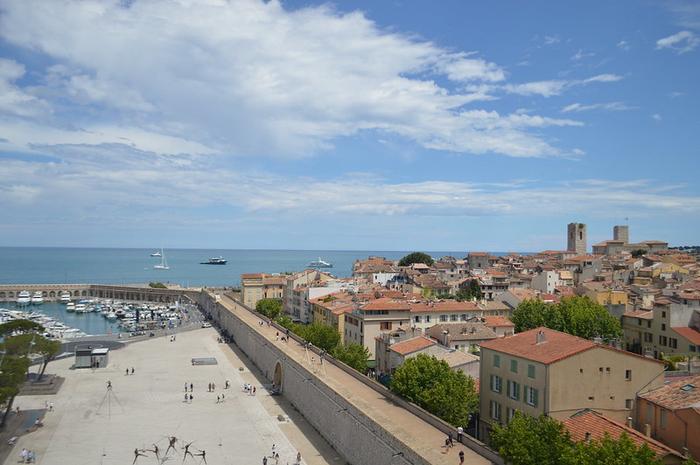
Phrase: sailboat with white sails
{"type": "Point", "coordinates": [163, 262]}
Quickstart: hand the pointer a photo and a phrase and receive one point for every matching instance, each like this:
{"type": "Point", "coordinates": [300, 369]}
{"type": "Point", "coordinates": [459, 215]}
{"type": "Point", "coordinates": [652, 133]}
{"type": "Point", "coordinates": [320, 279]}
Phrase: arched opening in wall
{"type": "Point", "coordinates": [52, 294]}
{"type": "Point", "coordinates": [2, 295]}
{"type": "Point", "coordinates": [277, 378]}
{"type": "Point", "coordinates": [84, 293]}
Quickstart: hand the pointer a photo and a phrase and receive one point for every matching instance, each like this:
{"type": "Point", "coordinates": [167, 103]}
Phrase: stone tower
{"type": "Point", "coordinates": [576, 238]}
{"type": "Point", "coordinates": [621, 233]}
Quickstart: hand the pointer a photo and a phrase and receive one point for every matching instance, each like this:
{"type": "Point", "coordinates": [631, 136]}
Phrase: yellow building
{"type": "Point", "coordinates": [258, 286]}
{"type": "Point", "coordinates": [548, 372]}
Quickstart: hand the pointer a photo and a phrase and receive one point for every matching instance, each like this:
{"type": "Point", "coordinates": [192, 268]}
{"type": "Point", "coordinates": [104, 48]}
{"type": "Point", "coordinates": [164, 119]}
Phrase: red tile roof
{"type": "Point", "coordinates": [689, 333]}
{"type": "Point", "coordinates": [497, 321]}
{"type": "Point", "coordinates": [386, 303]}
{"type": "Point", "coordinates": [597, 426]}
{"type": "Point", "coordinates": [678, 394]}
{"type": "Point", "coordinates": [556, 346]}
{"type": "Point", "coordinates": [412, 345]}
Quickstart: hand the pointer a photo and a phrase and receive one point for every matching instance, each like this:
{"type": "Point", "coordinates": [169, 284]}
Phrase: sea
{"type": "Point", "coordinates": [57, 265]}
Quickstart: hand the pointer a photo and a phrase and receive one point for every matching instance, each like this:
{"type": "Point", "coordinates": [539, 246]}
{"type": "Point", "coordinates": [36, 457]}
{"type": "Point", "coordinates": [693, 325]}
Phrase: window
{"type": "Point", "coordinates": [443, 318]}
{"type": "Point", "coordinates": [673, 342]}
{"type": "Point", "coordinates": [514, 366]}
{"type": "Point", "coordinates": [453, 317]}
{"type": "Point", "coordinates": [385, 325]}
{"type": "Point", "coordinates": [495, 410]}
{"type": "Point", "coordinates": [663, 326]}
{"type": "Point", "coordinates": [513, 390]}
{"type": "Point", "coordinates": [648, 323]}
{"type": "Point", "coordinates": [691, 347]}
{"type": "Point", "coordinates": [464, 317]}
{"type": "Point", "coordinates": [639, 320]}
{"type": "Point", "coordinates": [427, 318]}
{"type": "Point", "coordinates": [662, 340]}
{"type": "Point", "coordinates": [531, 371]}
{"type": "Point", "coordinates": [662, 419]}
{"type": "Point", "coordinates": [496, 383]}
{"type": "Point", "coordinates": [510, 413]}
{"type": "Point", "coordinates": [531, 396]}
{"type": "Point", "coordinates": [416, 318]}
{"type": "Point", "coordinates": [496, 360]}
{"type": "Point", "coordinates": [628, 375]}
{"type": "Point", "coordinates": [663, 314]}
{"type": "Point", "coordinates": [628, 404]}
{"type": "Point", "coordinates": [648, 337]}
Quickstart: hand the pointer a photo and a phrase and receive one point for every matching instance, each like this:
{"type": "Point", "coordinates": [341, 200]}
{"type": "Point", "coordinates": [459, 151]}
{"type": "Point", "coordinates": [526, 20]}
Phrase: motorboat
{"type": "Point", "coordinates": [111, 316]}
{"type": "Point", "coordinates": [65, 297]}
{"type": "Point", "coordinates": [24, 298]}
{"type": "Point", "coordinates": [81, 308]}
{"type": "Point", "coordinates": [320, 264]}
{"type": "Point", "coordinates": [156, 254]}
{"type": "Point", "coordinates": [163, 263]}
{"type": "Point", "coordinates": [70, 307]}
{"type": "Point", "coordinates": [215, 261]}
{"type": "Point", "coordinates": [37, 298]}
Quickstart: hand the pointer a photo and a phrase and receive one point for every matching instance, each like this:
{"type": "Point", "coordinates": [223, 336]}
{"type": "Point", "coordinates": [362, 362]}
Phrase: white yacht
{"type": "Point", "coordinates": [37, 298]}
{"type": "Point", "coordinates": [24, 298]}
{"type": "Point", "coordinates": [163, 262]}
{"type": "Point", "coordinates": [70, 307]}
{"type": "Point", "coordinates": [111, 316]}
{"type": "Point", "coordinates": [65, 297]}
{"type": "Point", "coordinates": [81, 308]}
{"type": "Point", "coordinates": [320, 264]}
{"type": "Point", "coordinates": [156, 254]}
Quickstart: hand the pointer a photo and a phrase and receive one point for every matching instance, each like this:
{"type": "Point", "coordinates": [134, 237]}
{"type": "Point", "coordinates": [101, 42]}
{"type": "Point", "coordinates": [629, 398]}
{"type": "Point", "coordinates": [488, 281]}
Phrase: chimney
{"type": "Point", "coordinates": [629, 422]}
{"type": "Point", "coordinates": [647, 430]}
{"type": "Point", "coordinates": [540, 338]}
{"type": "Point", "coordinates": [445, 341]}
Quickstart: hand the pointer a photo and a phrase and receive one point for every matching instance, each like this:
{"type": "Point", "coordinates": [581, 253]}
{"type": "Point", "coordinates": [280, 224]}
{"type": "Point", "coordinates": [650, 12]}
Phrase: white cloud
{"type": "Point", "coordinates": [580, 55]}
{"type": "Point", "coordinates": [623, 45]}
{"type": "Point", "coordinates": [551, 40]}
{"type": "Point", "coordinates": [656, 117]}
{"type": "Point", "coordinates": [556, 87]}
{"type": "Point", "coordinates": [13, 100]}
{"type": "Point", "coordinates": [248, 77]}
{"type": "Point", "coordinates": [680, 42]}
{"type": "Point", "coordinates": [125, 183]}
{"type": "Point", "coordinates": [610, 106]}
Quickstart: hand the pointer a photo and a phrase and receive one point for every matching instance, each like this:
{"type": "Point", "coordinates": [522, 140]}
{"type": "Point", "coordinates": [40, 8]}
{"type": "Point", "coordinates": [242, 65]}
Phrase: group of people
{"type": "Point", "coordinates": [276, 457]}
{"type": "Point", "coordinates": [249, 389]}
{"type": "Point", "coordinates": [128, 373]}
{"type": "Point", "coordinates": [27, 456]}
{"type": "Point", "coordinates": [449, 443]}
{"type": "Point", "coordinates": [172, 338]}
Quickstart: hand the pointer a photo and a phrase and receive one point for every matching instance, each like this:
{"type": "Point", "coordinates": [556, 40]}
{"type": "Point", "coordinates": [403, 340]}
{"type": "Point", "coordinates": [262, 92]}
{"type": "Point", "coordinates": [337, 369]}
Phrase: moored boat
{"type": "Point", "coordinates": [37, 298]}
{"type": "Point", "coordinates": [24, 298]}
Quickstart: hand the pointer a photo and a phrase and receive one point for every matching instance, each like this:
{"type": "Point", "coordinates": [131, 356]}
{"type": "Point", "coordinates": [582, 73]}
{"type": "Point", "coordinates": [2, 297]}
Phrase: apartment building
{"type": "Point", "coordinates": [300, 288]}
{"type": "Point", "coordinates": [671, 414]}
{"type": "Point", "coordinates": [548, 372]}
{"type": "Point", "coordinates": [671, 327]}
{"type": "Point", "coordinates": [258, 286]}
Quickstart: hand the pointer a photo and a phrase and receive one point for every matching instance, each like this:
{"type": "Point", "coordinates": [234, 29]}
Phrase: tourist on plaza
{"type": "Point", "coordinates": [127, 372]}
{"type": "Point", "coordinates": [298, 457]}
{"type": "Point", "coordinates": [191, 387]}
{"type": "Point", "coordinates": [461, 457]}
{"type": "Point", "coordinates": [50, 406]}
{"type": "Point", "coordinates": [203, 454]}
{"type": "Point", "coordinates": [191, 398]}
{"type": "Point", "coordinates": [137, 454]}
{"type": "Point", "coordinates": [218, 399]}
{"type": "Point", "coordinates": [187, 451]}
{"type": "Point", "coordinates": [265, 460]}
{"type": "Point", "coordinates": [460, 432]}
{"type": "Point", "coordinates": [132, 370]}
{"type": "Point", "coordinates": [23, 454]}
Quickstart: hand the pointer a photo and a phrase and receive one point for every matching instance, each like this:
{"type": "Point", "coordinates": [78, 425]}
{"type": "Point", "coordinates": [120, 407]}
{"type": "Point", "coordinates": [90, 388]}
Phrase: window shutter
{"type": "Point", "coordinates": [516, 386]}
{"type": "Point", "coordinates": [492, 383]}
{"type": "Point", "coordinates": [535, 396]}
{"type": "Point", "coordinates": [508, 389]}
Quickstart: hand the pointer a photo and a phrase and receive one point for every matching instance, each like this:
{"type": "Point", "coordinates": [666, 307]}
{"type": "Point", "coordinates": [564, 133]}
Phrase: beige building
{"type": "Point", "coordinates": [258, 286]}
{"type": "Point", "coordinates": [548, 372]}
{"type": "Point", "coordinates": [300, 288]}
{"type": "Point", "coordinates": [671, 414]}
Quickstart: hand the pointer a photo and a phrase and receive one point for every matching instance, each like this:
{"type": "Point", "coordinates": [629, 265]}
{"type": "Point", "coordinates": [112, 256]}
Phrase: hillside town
{"type": "Point", "coordinates": [643, 382]}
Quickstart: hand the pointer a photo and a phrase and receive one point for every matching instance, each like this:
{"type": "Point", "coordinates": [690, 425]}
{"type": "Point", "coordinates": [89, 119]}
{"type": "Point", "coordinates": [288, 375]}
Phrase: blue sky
{"type": "Point", "coordinates": [398, 125]}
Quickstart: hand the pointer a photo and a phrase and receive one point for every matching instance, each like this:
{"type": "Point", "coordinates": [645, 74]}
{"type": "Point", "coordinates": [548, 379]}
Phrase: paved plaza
{"type": "Point", "coordinates": [91, 425]}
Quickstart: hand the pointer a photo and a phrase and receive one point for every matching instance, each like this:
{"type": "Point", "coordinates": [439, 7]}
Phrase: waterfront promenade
{"type": "Point", "coordinates": [423, 438]}
{"type": "Point", "coordinates": [90, 425]}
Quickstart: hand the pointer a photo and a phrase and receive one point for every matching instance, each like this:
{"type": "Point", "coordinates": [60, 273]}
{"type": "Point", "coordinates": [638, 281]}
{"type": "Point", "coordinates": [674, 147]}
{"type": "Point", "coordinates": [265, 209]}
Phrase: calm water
{"type": "Point", "coordinates": [132, 266]}
{"type": "Point", "coordinates": [89, 323]}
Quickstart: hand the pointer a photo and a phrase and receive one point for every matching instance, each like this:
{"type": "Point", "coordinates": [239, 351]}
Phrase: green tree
{"type": "Point", "coordinates": [19, 327]}
{"type": "Point", "coordinates": [48, 349]}
{"type": "Point", "coordinates": [431, 384]}
{"type": "Point", "coordinates": [416, 257]}
{"type": "Point", "coordinates": [530, 440]}
{"type": "Point", "coordinates": [579, 316]}
{"type": "Point", "coordinates": [354, 355]}
{"type": "Point", "coordinates": [472, 291]}
{"type": "Point", "coordinates": [322, 336]}
{"type": "Point", "coordinates": [271, 308]}
{"type": "Point", "coordinates": [13, 373]}
{"type": "Point", "coordinates": [609, 450]}
{"type": "Point", "coordinates": [157, 285]}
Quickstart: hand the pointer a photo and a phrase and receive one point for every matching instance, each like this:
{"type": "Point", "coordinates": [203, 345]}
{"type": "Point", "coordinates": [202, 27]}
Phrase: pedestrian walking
{"type": "Point", "coordinates": [298, 457]}
{"type": "Point", "coordinates": [213, 386]}
{"type": "Point", "coordinates": [186, 397]}
{"type": "Point", "coordinates": [253, 390]}
{"type": "Point", "coordinates": [132, 370]}
{"type": "Point", "coordinates": [277, 459]}
{"type": "Point", "coordinates": [23, 455]}
{"type": "Point", "coordinates": [222, 397]}
{"type": "Point", "coordinates": [185, 387]}
{"type": "Point", "coordinates": [461, 457]}
{"type": "Point", "coordinates": [209, 387]}
{"type": "Point", "coordinates": [127, 372]}
{"type": "Point", "coordinates": [265, 460]}
{"type": "Point", "coordinates": [191, 398]}
{"type": "Point", "coordinates": [50, 406]}
{"type": "Point", "coordinates": [191, 387]}
{"type": "Point", "coordinates": [217, 399]}
{"type": "Point", "coordinates": [460, 432]}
